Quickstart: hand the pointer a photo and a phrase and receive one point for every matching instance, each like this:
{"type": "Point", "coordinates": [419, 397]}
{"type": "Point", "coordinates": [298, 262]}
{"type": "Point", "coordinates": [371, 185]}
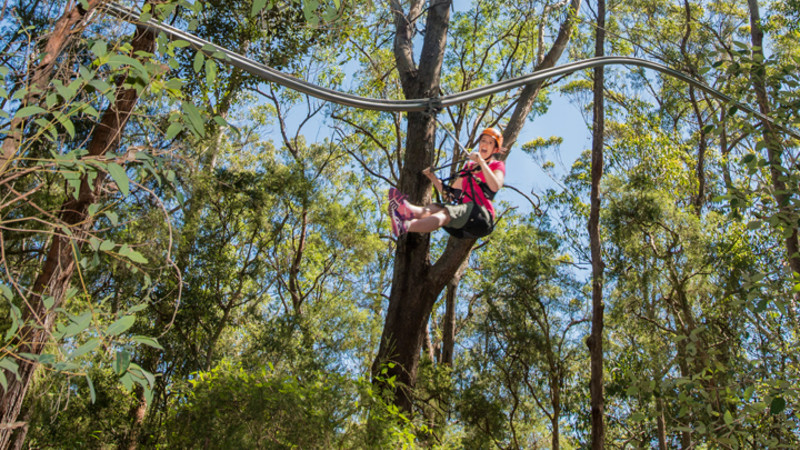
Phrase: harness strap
{"type": "Point", "coordinates": [488, 193]}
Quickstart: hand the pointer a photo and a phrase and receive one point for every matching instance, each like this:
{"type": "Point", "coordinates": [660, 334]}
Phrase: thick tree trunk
{"type": "Point", "coordinates": [595, 341]}
{"type": "Point", "coordinates": [413, 294]}
{"type": "Point", "coordinates": [416, 283]}
{"type": "Point", "coordinates": [59, 266]}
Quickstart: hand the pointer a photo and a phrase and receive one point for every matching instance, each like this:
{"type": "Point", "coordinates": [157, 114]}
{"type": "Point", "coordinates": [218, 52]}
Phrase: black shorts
{"type": "Point", "coordinates": [472, 221]}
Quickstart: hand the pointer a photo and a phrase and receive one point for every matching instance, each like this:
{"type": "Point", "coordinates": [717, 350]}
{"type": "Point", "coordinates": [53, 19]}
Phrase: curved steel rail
{"type": "Point", "coordinates": [428, 104]}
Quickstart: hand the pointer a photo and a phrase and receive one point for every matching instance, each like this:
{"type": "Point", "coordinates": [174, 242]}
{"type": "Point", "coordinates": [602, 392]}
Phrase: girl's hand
{"type": "Point", "coordinates": [427, 172]}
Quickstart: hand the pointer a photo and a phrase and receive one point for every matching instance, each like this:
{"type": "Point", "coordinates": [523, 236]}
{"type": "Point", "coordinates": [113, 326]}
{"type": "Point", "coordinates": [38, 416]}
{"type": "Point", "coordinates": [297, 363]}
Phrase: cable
{"type": "Point", "coordinates": [417, 105]}
{"type": "Point", "coordinates": [455, 139]}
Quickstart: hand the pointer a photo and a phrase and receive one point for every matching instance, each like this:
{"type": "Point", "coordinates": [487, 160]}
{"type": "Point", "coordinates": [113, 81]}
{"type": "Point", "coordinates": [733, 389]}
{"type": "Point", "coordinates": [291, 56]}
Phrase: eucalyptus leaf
{"type": "Point", "coordinates": [127, 381]}
{"type": "Point", "coordinates": [195, 118]}
{"type": "Point", "coordinates": [258, 5]}
{"type": "Point", "coordinates": [79, 324]}
{"type": "Point", "coordinates": [120, 326]}
{"type": "Point", "coordinates": [48, 301]}
{"type": "Point", "coordinates": [120, 177]}
{"type": "Point", "coordinates": [29, 111]}
{"type": "Point", "coordinates": [10, 365]}
{"type": "Point", "coordinates": [87, 347]}
{"type": "Point", "coordinates": [113, 217]}
{"type": "Point", "coordinates": [132, 254]}
{"type": "Point", "coordinates": [122, 362]}
{"type": "Point", "coordinates": [107, 245]}
{"type": "Point", "coordinates": [211, 72]}
{"type": "Point", "coordinates": [16, 320]}
{"type": "Point", "coordinates": [92, 393]}
{"type": "Point", "coordinates": [148, 341]}
{"type": "Point", "coordinates": [199, 59]}
{"type": "Point", "coordinates": [100, 48]}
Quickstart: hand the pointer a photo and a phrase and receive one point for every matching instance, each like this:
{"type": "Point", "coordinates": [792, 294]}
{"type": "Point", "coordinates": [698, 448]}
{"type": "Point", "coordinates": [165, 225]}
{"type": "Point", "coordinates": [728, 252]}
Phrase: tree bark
{"type": "Point", "coordinates": [595, 341]}
{"type": "Point", "coordinates": [702, 147]}
{"type": "Point", "coordinates": [661, 425]}
{"type": "Point", "coordinates": [68, 25]}
{"type": "Point", "coordinates": [416, 283]}
{"type": "Point", "coordinates": [555, 401]}
{"type": "Point", "coordinates": [56, 273]}
{"type": "Point", "coordinates": [449, 328]}
{"type": "Point", "coordinates": [770, 137]}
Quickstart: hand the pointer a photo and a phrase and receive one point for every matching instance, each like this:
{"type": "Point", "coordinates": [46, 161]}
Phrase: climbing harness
{"type": "Point", "coordinates": [480, 222]}
{"type": "Point", "coordinates": [430, 105]}
{"type": "Point", "coordinates": [437, 103]}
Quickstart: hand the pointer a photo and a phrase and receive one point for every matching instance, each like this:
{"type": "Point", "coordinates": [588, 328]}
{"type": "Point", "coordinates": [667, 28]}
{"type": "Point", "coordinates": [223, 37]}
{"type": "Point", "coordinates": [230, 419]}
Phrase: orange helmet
{"type": "Point", "coordinates": [494, 133]}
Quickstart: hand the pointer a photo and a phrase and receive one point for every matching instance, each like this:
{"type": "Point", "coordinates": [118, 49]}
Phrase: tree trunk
{"type": "Point", "coordinates": [595, 341]}
{"type": "Point", "coordinates": [138, 414]}
{"type": "Point", "coordinates": [702, 147]}
{"type": "Point", "coordinates": [449, 328]}
{"type": "Point", "coordinates": [662, 427]}
{"type": "Point", "coordinates": [59, 266]}
{"type": "Point", "coordinates": [554, 421]}
{"type": "Point", "coordinates": [771, 140]}
{"type": "Point", "coordinates": [416, 283]}
{"type": "Point", "coordinates": [68, 25]}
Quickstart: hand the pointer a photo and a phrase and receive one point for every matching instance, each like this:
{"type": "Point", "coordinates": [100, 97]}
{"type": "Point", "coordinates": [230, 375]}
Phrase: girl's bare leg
{"type": "Point", "coordinates": [420, 212]}
{"type": "Point", "coordinates": [430, 222]}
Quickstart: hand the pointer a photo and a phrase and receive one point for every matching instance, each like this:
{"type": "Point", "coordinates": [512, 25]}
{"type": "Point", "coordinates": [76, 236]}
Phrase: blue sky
{"type": "Point", "coordinates": [563, 119]}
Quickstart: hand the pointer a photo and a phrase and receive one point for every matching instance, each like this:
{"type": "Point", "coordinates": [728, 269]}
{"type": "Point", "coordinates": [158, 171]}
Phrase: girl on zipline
{"type": "Point", "coordinates": [471, 214]}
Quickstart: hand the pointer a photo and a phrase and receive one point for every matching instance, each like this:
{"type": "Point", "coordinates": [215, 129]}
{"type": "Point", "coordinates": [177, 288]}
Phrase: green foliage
{"type": "Point", "coordinates": [515, 381]}
{"type": "Point", "coordinates": [49, 167]}
{"type": "Point", "coordinates": [270, 408]}
{"type": "Point", "coordinates": [263, 409]}
{"type": "Point", "coordinates": [231, 275]}
{"type": "Point", "coordinates": [63, 412]}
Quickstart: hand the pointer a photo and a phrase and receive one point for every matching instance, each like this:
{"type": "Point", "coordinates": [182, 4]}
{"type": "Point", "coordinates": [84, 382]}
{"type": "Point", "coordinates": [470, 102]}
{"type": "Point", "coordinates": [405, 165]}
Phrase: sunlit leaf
{"type": "Point", "coordinates": [120, 177]}
{"type": "Point", "coordinates": [90, 345]}
{"type": "Point", "coordinates": [120, 326]}
{"type": "Point", "coordinates": [29, 111]}
{"type": "Point", "coordinates": [258, 5]}
{"type": "Point", "coordinates": [150, 342]}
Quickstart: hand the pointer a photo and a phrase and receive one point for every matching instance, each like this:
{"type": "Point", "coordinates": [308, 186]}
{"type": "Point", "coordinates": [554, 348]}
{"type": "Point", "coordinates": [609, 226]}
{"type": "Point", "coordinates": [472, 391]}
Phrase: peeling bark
{"type": "Point", "coordinates": [56, 273]}
{"type": "Point", "coordinates": [68, 25]}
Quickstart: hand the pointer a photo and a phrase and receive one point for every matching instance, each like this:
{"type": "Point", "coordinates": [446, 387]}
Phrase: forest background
{"type": "Point", "coordinates": [193, 257]}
